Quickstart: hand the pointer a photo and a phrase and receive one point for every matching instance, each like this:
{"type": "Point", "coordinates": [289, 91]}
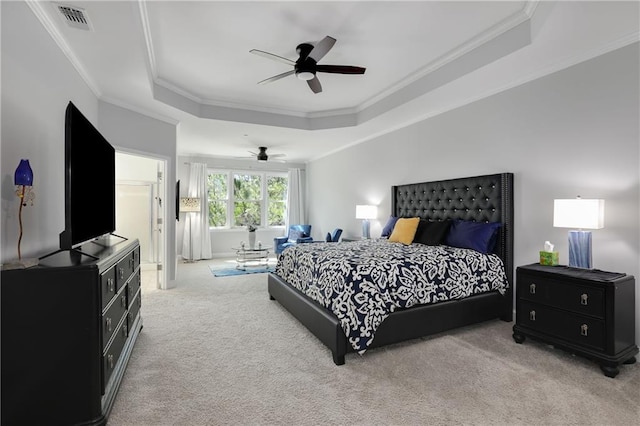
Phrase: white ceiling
{"type": "Point", "coordinates": [189, 62]}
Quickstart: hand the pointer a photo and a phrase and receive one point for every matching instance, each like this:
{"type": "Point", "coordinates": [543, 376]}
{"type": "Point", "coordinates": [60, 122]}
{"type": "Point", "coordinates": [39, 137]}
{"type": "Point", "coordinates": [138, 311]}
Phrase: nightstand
{"type": "Point", "coordinates": [584, 311]}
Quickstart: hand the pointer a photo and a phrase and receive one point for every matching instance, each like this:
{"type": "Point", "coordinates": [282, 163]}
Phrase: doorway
{"type": "Point", "coordinates": [140, 212]}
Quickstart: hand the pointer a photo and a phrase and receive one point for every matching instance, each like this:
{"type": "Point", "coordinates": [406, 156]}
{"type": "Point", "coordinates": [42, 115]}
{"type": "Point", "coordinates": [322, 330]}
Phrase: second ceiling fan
{"type": "Point", "coordinates": [306, 67]}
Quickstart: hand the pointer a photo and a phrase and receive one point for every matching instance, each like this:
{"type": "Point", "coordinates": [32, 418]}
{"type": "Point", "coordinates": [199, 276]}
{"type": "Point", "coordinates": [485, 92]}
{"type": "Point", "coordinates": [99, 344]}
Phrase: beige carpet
{"type": "Point", "coordinates": [217, 351]}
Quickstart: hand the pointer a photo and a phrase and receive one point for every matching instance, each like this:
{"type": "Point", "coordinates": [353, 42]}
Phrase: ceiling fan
{"type": "Point", "coordinates": [261, 155]}
{"type": "Point", "coordinates": [306, 67]}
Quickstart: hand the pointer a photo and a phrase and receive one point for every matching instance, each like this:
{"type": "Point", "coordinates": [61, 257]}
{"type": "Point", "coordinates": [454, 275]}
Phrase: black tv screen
{"type": "Point", "coordinates": [90, 182]}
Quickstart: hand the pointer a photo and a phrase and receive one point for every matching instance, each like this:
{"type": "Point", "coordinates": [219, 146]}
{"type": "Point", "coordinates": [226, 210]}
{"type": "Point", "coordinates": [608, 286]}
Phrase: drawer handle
{"type": "Point", "coordinates": [532, 315]}
{"type": "Point", "coordinates": [584, 299]}
{"type": "Point", "coordinates": [532, 289]}
{"type": "Point", "coordinates": [125, 330]}
{"type": "Point", "coordinates": [123, 301]}
{"type": "Point", "coordinates": [110, 285]}
{"type": "Point", "coordinates": [584, 329]}
{"type": "Point", "coordinates": [121, 272]}
{"type": "Point", "coordinates": [131, 262]}
{"type": "Point", "coordinates": [108, 324]}
{"type": "Point", "coordinates": [110, 360]}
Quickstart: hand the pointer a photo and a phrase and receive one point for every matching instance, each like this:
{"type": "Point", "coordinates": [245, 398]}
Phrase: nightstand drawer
{"type": "Point", "coordinates": [581, 330]}
{"type": "Point", "coordinates": [561, 294]}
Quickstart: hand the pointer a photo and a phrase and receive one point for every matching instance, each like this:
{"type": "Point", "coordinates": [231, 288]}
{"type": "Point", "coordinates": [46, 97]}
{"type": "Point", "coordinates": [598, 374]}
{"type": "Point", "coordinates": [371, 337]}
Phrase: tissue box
{"type": "Point", "coordinates": [550, 258]}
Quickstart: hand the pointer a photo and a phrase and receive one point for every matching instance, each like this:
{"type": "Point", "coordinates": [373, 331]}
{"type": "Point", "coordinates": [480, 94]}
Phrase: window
{"type": "Point", "coordinates": [238, 198]}
{"type": "Point", "coordinates": [218, 196]}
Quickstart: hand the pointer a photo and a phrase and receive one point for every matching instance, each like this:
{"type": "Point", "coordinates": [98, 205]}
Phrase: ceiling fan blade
{"type": "Point", "coordinates": [322, 48]}
{"type": "Point", "coordinates": [272, 56]}
{"type": "Point", "coordinates": [277, 77]}
{"type": "Point", "coordinates": [340, 69]}
{"type": "Point", "coordinates": [314, 85]}
{"type": "Point", "coordinates": [277, 155]}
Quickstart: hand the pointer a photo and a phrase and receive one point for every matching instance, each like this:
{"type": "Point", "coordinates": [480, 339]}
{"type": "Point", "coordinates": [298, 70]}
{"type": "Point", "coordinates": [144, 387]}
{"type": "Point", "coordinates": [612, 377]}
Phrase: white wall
{"type": "Point", "coordinates": [575, 132]}
{"type": "Point", "coordinates": [222, 241]}
{"type": "Point", "coordinates": [37, 84]}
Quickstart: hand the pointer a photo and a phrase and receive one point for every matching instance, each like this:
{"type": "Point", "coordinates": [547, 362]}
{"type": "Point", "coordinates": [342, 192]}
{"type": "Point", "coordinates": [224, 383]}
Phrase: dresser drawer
{"type": "Point", "coordinates": [577, 298]}
{"type": "Point", "coordinates": [134, 308]}
{"type": "Point", "coordinates": [126, 266]}
{"type": "Point", "coordinates": [112, 354]}
{"type": "Point", "coordinates": [133, 286]}
{"type": "Point", "coordinates": [578, 329]}
{"type": "Point", "coordinates": [108, 286]}
{"type": "Point", "coordinates": [112, 317]}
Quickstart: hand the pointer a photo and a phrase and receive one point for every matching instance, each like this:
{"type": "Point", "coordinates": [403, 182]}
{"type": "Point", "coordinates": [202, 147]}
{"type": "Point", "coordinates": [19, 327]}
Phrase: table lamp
{"type": "Point", "coordinates": [581, 214]}
{"type": "Point", "coordinates": [366, 212]}
{"type": "Point", "coordinates": [190, 205]}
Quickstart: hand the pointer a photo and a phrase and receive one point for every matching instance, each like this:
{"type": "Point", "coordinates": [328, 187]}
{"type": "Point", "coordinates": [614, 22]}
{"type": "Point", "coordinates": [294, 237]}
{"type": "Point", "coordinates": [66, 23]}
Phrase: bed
{"type": "Point", "coordinates": [487, 198]}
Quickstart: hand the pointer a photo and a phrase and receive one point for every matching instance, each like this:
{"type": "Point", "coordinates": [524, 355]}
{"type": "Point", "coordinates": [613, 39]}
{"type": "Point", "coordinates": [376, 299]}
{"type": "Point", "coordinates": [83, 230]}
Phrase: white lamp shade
{"type": "Point", "coordinates": [189, 204]}
{"type": "Point", "coordinates": [578, 213]}
{"type": "Point", "coordinates": [366, 212]}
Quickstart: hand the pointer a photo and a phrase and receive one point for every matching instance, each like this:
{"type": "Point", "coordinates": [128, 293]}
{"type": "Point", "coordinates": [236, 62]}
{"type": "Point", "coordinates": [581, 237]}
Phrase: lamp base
{"type": "Point", "coordinates": [21, 264]}
{"type": "Point", "coordinates": [580, 249]}
{"type": "Point", "coordinates": [365, 229]}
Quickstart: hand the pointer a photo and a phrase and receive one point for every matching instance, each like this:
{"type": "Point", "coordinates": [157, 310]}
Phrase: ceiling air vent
{"type": "Point", "coordinates": [74, 17]}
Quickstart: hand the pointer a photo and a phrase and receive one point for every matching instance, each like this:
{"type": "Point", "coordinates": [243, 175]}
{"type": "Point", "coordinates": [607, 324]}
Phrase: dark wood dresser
{"type": "Point", "coordinates": [587, 312]}
{"type": "Point", "coordinates": [68, 328]}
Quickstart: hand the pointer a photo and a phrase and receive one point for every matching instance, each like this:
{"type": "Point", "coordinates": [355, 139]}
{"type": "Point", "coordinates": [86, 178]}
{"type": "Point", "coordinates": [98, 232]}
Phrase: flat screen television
{"type": "Point", "coordinates": [89, 182]}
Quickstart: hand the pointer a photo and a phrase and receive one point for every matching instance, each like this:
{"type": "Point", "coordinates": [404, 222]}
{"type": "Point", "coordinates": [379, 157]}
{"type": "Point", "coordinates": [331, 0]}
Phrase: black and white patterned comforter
{"type": "Point", "coordinates": [362, 282]}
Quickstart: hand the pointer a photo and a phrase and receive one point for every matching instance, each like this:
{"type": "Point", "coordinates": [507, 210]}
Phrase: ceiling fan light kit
{"type": "Point", "coordinates": [305, 75]}
{"type": "Point", "coordinates": [306, 67]}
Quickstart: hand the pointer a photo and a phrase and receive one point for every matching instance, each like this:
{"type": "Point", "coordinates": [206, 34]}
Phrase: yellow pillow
{"type": "Point", "coordinates": [405, 230]}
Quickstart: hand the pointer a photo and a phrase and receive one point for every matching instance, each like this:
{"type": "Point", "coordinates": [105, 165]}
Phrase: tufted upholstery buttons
{"type": "Point", "coordinates": [469, 199]}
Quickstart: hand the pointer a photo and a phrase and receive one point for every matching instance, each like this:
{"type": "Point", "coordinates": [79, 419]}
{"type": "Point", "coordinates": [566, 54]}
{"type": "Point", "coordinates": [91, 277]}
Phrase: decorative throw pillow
{"type": "Point", "coordinates": [295, 234]}
{"type": "Point", "coordinates": [432, 233]}
{"type": "Point", "coordinates": [480, 236]}
{"type": "Point", "coordinates": [405, 230]}
{"type": "Point", "coordinates": [328, 237]}
{"type": "Point", "coordinates": [388, 228]}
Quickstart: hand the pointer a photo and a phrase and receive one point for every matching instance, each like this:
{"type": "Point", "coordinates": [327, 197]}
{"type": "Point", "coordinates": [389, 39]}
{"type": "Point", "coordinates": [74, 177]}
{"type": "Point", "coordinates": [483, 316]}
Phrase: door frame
{"type": "Point", "coordinates": [163, 285]}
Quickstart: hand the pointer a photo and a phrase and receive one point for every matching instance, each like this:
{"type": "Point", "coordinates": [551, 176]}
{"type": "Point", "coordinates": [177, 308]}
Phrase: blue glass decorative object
{"type": "Point", "coordinates": [24, 174]}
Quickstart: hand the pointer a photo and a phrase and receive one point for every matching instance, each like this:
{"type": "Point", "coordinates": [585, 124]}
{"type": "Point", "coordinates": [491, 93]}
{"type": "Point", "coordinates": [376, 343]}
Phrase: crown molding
{"type": "Point", "coordinates": [486, 36]}
{"type": "Point", "coordinates": [46, 20]}
{"type": "Point", "coordinates": [251, 107]}
{"type": "Point", "coordinates": [146, 32]}
{"type": "Point", "coordinates": [141, 111]}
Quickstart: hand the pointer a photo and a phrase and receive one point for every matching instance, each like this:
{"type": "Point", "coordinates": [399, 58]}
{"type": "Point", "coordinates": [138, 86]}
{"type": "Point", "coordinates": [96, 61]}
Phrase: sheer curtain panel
{"type": "Point", "coordinates": [295, 199]}
{"type": "Point", "coordinates": [196, 243]}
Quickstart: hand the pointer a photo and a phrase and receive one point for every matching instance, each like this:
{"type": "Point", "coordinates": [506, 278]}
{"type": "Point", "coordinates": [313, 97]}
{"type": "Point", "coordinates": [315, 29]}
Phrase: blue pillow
{"type": "Point", "coordinates": [480, 236]}
{"type": "Point", "coordinates": [388, 228]}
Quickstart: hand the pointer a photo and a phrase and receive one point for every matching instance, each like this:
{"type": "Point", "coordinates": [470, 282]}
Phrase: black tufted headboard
{"type": "Point", "coordinates": [481, 198]}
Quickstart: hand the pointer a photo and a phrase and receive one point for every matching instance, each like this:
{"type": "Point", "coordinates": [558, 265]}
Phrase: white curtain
{"type": "Point", "coordinates": [295, 199]}
{"type": "Point", "coordinates": [196, 243]}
